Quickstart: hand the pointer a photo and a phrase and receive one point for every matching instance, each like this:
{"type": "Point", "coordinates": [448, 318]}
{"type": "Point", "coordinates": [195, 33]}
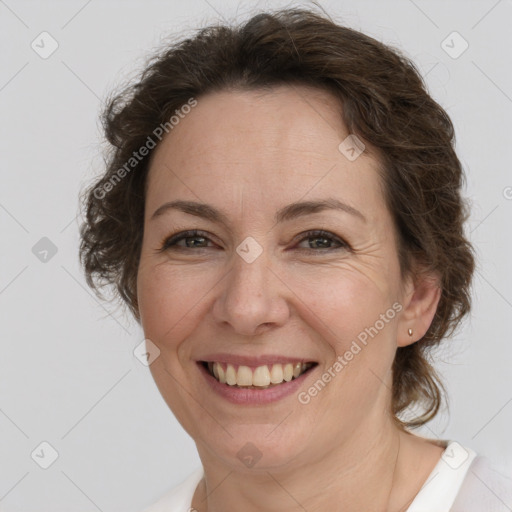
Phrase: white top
{"type": "Point", "coordinates": [460, 482]}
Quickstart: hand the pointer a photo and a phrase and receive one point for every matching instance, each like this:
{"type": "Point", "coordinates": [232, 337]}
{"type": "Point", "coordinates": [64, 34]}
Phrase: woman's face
{"type": "Point", "coordinates": [253, 289]}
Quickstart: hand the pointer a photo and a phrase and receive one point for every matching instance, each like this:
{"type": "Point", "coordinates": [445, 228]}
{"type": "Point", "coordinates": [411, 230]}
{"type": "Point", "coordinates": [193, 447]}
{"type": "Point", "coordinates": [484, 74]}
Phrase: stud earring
{"type": "Point", "coordinates": [410, 332]}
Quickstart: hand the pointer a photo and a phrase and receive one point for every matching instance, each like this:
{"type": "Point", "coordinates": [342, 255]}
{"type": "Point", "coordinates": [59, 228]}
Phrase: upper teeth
{"type": "Point", "coordinates": [260, 376]}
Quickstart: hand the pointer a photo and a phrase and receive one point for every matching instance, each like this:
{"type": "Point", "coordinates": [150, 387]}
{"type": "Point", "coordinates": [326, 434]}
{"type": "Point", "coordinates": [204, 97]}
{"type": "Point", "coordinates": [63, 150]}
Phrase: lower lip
{"type": "Point", "coordinates": [250, 396]}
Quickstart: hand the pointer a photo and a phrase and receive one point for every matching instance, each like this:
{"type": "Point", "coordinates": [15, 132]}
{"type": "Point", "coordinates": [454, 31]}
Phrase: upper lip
{"type": "Point", "coordinates": [253, 361]}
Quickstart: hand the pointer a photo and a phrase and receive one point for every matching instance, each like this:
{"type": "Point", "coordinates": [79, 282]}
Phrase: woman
{"type": "Point", "coordinates": [282, 213]}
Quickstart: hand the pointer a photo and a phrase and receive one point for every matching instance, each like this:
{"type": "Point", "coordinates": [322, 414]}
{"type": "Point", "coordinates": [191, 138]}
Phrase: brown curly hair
{"type": "Point", "coordinates": [385, 102]}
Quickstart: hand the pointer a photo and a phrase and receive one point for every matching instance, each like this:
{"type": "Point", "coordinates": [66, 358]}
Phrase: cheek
{"type": "Point", "coordinates": [342, 313]}
{"type": "Point", "coordinates": [171, 300]}
{"type": "Point", "coordinates": [341, 301]}
{"type": "Point", "coordinates": [354, 319]}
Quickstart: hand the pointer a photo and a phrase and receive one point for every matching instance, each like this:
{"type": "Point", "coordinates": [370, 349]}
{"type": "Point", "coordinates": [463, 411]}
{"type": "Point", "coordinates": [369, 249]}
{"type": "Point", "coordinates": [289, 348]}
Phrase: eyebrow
{"type": "Point", "coordinates": [289, 212]}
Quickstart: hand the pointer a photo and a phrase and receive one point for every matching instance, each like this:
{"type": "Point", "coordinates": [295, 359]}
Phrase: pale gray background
{"type": "Point", "coordinates": [67, 372]}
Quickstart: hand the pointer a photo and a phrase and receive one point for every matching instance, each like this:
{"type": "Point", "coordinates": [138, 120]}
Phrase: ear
{"type": "Point", "coordinates": [421, 294]}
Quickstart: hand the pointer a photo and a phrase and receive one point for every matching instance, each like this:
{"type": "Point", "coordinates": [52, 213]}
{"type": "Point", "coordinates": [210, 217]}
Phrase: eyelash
{"type": "Point", "coordinates": [169, 243]}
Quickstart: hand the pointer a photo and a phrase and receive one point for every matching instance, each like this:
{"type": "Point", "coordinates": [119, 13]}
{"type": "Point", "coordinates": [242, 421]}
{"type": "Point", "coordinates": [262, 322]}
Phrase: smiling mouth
{"type": "Point", "coordinates": [262, 377]}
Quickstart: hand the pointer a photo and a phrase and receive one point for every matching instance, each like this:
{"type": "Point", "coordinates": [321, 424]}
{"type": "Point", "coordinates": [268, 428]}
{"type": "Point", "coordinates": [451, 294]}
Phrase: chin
{"type": "Point", "coordinates": [262, 446]}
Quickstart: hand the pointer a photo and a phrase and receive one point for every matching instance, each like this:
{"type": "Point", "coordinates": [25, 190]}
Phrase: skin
{"type": "Point", "coordinates": [249, 153]}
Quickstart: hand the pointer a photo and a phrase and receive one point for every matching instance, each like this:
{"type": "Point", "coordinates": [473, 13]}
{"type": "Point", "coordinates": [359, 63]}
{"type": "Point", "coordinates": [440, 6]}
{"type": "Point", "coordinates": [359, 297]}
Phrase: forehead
{"type": "Point", "coordinates": [265, 148]}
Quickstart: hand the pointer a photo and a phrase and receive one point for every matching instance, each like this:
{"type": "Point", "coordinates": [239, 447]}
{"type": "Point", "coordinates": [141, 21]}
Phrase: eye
{"type": "Point", "coordinates": [195, 239]}
{"type": "Point", "coordinates": [323, 241]}
{"type": "Point", "coordinates": [193, 236]}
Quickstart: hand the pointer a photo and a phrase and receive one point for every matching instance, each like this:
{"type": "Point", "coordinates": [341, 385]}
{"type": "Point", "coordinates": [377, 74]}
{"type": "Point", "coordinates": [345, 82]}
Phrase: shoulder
{"type": "Point", "coordinates": [487, 486]}
{"type": "Point", "coordinates": [463, 481]}
{"type": "Point", "coordinates": [179, 499]}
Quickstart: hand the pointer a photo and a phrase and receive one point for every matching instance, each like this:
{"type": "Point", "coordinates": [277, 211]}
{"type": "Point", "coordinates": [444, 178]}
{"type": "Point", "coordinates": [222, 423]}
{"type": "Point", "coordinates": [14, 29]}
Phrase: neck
{"type": "Point", "coordinates": [357, 473]}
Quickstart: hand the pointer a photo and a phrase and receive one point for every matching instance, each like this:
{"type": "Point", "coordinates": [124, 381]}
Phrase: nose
{"type": "Point", "coordinates": [253, 297]}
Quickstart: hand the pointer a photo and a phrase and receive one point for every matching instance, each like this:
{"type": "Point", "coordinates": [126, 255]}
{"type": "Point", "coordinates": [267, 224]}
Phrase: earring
{"type": "Point", "coordinates": [410, 331]}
